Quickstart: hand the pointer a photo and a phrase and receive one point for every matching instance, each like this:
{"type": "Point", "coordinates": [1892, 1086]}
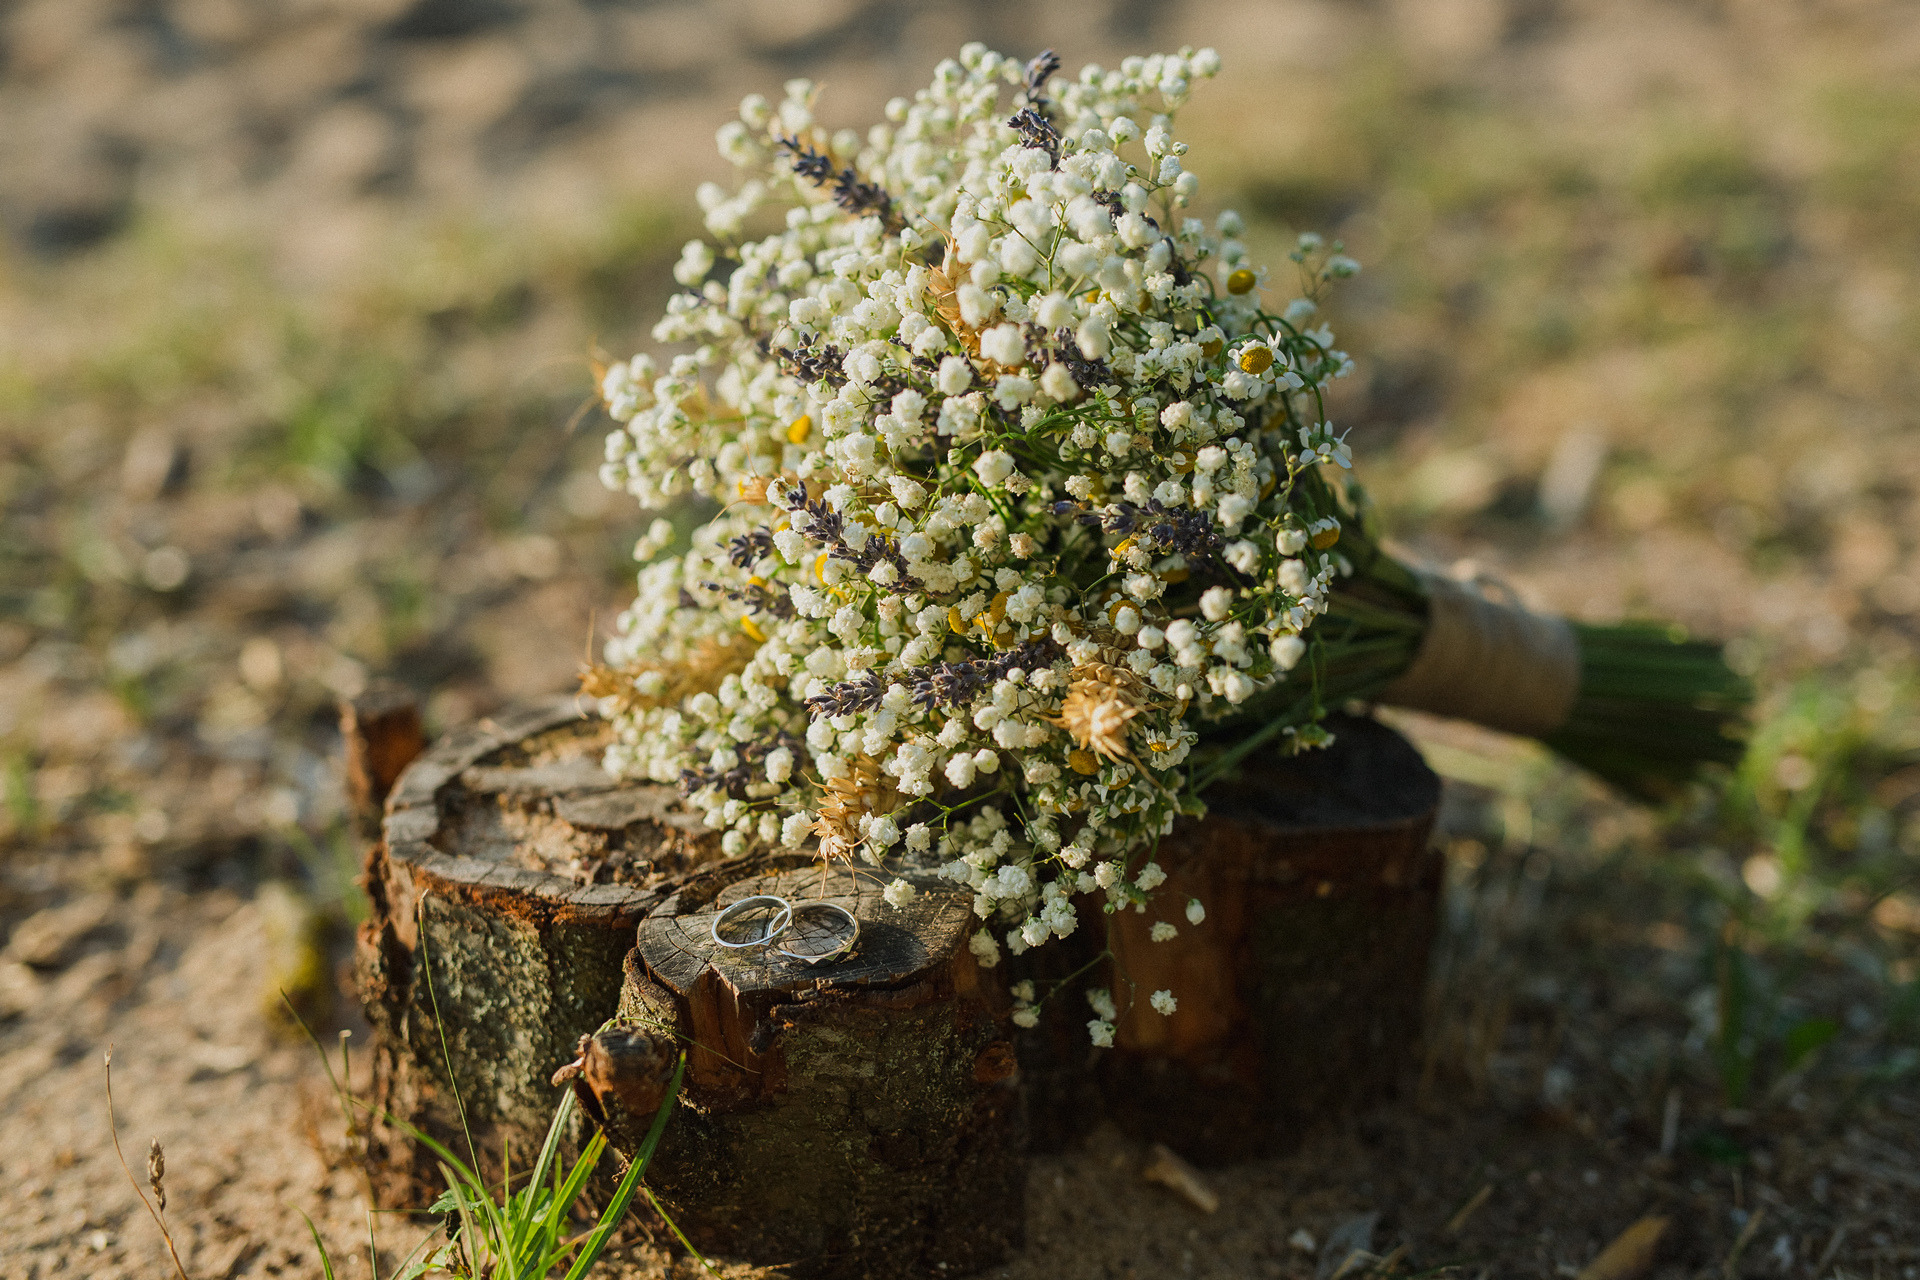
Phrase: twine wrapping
{"type": "Point", "coordinates": [1495, 664]}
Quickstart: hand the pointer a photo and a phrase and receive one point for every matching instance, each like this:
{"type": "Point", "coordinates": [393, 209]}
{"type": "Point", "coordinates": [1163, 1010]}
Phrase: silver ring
{"type": "Point", "coordinates": [844, 949]}
{"type": "Point", "coordinates": [781, 919]}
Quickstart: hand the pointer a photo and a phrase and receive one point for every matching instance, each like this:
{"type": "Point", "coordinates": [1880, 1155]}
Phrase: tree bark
{"type": "Point", "coordinates": [1301, 992]}
{"type": "Point", "coordinates": [504, 892]}
{"type": "Point", "coordinates": [855, 1119]}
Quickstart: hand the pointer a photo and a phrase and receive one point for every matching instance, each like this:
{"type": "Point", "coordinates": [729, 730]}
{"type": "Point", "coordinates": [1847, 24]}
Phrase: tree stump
{"type": "Point", "coordinates": [1300, 994]}
{"type": "Point", "coordinates": [864, 1117]}
{"type": "Point", "coordinates": [511, 874]}
{"type": "Point", "coordinates": [858, 1118]}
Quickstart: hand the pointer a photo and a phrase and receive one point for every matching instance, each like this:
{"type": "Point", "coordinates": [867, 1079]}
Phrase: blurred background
{"type": "Point", "coordinates": [298, 305]}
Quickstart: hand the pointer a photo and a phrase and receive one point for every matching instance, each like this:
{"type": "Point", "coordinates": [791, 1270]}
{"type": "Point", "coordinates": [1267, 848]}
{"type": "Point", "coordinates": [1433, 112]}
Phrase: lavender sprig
{"type": "Point", "coordinates": [1186, 532]}
{"type": "Point", "coordinates": [828, 528]}
{"type": "Point", "coordinates": [757, 597]}
{"type": "Point", "coordinates": [751, 762]}
{"type": "Point", "coordinates": [953, 684]}
{"type": "Point", "coordinates": [849, 192]}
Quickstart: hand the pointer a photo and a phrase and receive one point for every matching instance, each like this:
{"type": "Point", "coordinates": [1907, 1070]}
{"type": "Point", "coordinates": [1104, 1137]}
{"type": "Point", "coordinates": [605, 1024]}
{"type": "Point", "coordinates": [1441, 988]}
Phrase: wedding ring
{"type": "Point", "coordinates": [775, 927]}
{"type": "Point", "coordinates": [844, 948]}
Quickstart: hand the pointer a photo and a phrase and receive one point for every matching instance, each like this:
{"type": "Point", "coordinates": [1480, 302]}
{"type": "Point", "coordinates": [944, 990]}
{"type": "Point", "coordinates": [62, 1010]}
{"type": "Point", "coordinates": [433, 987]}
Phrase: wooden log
{"type": "Point", "coordinates": [383, 735]}
{"type": "Point", "coordinates": [858, 1118]}
{"type": "Point", "coordinates": [864, 1117]}
{"type": "Point", "coordinates": [1299, 995]}
{"type": "Point", "coordinates": [511, 874]}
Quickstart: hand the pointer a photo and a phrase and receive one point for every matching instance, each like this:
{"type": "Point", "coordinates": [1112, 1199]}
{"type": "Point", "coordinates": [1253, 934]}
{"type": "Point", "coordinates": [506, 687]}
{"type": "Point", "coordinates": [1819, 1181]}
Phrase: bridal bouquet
{"type": "Point", "coordinates": [1030, 521]}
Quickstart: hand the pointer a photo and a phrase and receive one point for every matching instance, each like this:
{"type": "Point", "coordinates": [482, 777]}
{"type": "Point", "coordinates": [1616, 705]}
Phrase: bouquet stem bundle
{"type": "Point", "coordinates": [1639, 704]}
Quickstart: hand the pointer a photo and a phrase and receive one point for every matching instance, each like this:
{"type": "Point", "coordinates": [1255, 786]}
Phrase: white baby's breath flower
{"type": "Point", "coordinates": [794, 829]}
{"type": "Point", "coordinates": [993, 466]}
{"type": "Point", "coordinates": [1004, 345]}
{"type": "Point", "coordinates": [985, 949]}
{"type": "Point", "coordinates": [956, 375]}
{"type": "Point", "coordinates": [1287, 651]}
{"type": "Point", "coordinates": [779, 765]}
{"type": "Point", "coordinates": [1058, 383]}
{"type": "Point", "coordinates": [696, 259]}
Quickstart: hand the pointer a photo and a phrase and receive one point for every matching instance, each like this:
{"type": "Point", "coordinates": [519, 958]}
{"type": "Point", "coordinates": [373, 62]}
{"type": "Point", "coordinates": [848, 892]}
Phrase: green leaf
{"type": "Point", "coordinates": [1804, 1038]}
{"type": "Point", "coordinates": [1719, 1148]}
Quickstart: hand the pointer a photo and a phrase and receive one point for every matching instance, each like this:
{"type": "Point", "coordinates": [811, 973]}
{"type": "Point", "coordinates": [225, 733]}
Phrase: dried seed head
{"type": "Point", "coordinates": [716, 658]}
{"type": "Point", "coordinates": [1101, 701]}
{"type": "Point", "coordinates": [862, 791]}
{"type": "Point", "coordinates": [157, 1172]}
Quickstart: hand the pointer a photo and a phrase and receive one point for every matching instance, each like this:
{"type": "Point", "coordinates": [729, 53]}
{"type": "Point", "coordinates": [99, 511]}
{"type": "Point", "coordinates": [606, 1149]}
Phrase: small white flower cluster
{"type": "Point", "coordinates": [1019, 481]}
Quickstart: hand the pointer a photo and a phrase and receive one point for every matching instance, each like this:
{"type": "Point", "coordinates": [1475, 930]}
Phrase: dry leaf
{"type": "Point", "coordinates": [1169, 1170]}
{"type": "Point", "coordinates": [1631, 1253]}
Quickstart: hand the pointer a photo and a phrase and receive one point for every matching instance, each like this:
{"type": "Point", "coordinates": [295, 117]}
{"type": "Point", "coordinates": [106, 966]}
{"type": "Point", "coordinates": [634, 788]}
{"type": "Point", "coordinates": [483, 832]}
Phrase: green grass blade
{"type": "Point", "coordinates": [476, 1206]}
{"type": "Point", "coordinates": [450, 1162]}
{"type": "Point", "coordinates": [512, 1215]}
{"type": "Point", "coordinates": [544, 1229]}
{"type": "Point", "coordinates": [678, 1234]}
{"type": "Point", "coordinates": [623, 1195]}
{"type": "Point", "coordinates": [326, 1263]}
{"type": "Point", "coordinates": [440, 1030]}
{"type": "Point", "coordinates": [576, 1180]}
{"type": "Point", "coordinates": [470, 1236]}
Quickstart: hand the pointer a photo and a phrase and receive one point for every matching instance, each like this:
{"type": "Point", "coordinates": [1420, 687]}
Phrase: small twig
{"type": "Point", "coordinates": [1467, 1210]}
{"type": "Point", "coordinates": [1354, 1262]}
{"type": "Point", "coordinates": [157, 1169]}
{"type": "Point", "coordinates": [356, 1142]}
{"type": "Point", "coordinates": [1670, 1123]}
{"type": "Point", "coordinates": [1740, 1244]}
{"type": "Point", "coordinates": [1833, 1248]}
{"type": "Point", "coordinates": [346, 1074]}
